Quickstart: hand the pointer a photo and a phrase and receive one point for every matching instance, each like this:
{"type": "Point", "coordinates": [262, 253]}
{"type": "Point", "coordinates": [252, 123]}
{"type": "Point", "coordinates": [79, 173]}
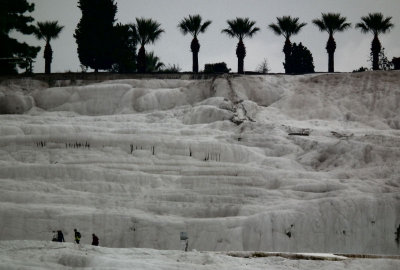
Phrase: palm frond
{"type": "Point", "coordinates": [275, 28]}
{"type": "Point", "coordinates": [363, 27]}
{"type": "Point", "coordinates": [133, 30]}
{"type": "Point", "coordinates": [375, 23]}
{"type": "Point", "coordinates": [331, 23]}
{"type": "Point", "coordinates": [252, 32]}
{"type": "Point", "coordinates": [48, 30]}
{"type": "Point", "coordinates": [153, 62]}
{"type": "Point", "coordinates": [320, 24]}
{"type": "Point", "coordinates": [148, 30]}
{"type": "Point", "coordinates": [241, 28]}
{"type": "Point", "coordinates": [193, 25]}
{"type": "Point", "coordinates": [287, 26]}
{"type": "Point", "coordinates": [182, 26]}
{"type": "Point", "coordinates": [298, 28]}
{"type": "Point", "coordinates": [229, 32]}
{"type": "Point", "coordinates": [205, 26]}
{"type": "Point", "coordinates": [387, 25]}
{"type": "Point", "coordinates": [344, 26]}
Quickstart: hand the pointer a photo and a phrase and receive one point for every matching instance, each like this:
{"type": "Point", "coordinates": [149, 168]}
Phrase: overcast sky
{"type": "Point", "coordinates": [352, 51]}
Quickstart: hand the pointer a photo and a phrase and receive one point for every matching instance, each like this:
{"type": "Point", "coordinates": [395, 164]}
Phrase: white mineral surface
{"type": "Point", "coordinates": [138, 161]}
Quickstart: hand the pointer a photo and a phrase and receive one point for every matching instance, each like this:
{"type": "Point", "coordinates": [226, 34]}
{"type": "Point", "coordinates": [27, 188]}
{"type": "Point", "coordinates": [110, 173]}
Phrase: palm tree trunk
{"type": "Point", "coordinates": [331, 60]}
{"type": "Point", "coordinates": [141, 60]}
{"type": "Point", "coordinates": [48, 57]}
{"type": "Point", "coordinates": [195, 67]}
{"type": "Point", "coordinates": [287, 49]}
{"type": "Point", "coordinates": [96, 67]}
{"type": "Point", "coordinates": [375, 50]}
{"type": "Point", "coordinates": [195, 47]}
{"type": "Point", "coordinates": [241, 65]}
{"type": "Point", "coordinates": [241, 54]}
{"type": "Point", "coordinates": [331, 48]}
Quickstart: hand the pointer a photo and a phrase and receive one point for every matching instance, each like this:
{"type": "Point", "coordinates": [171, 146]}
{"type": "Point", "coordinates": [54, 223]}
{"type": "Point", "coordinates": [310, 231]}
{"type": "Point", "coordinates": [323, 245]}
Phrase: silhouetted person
{"type": "Point", "coordinates": [95, 241]}
{"type": "Point", "coordinates": [60, 236]}
{"type": "Point", "coordinates": [77, 236]}
{"type": "Point", "coordinates": [54, 238]}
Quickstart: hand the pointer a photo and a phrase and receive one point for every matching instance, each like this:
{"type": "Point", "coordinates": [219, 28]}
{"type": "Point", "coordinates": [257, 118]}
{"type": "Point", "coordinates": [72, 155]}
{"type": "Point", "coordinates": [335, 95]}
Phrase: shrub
{"type": "Point", "coordinates": [300, 60]}
{"type": "Point", "coordinates": [216, 68]}
{"type": "Point", "coordinates": [361, 69]}
{"type": "Point", "coordinates": [383, 61]}
{"type": "Point", "coordinates": [175, 68]}
{"type": "Point", "coordinates": [263, 67]}
{"type": "Point", "coordinates": [396, 62]}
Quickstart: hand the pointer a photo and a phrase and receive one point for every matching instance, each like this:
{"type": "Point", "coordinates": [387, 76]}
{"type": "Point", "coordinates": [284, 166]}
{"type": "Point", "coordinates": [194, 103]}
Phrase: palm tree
{"type": "Point", "coordinates": [376, 24]}
{"type": "Point", "coordinates": [153, 62]}
{"type": "Point", "coordinates": [241, 28]}
{"type": "Point", "coordinates": [331, 23]}
{"type": "Point", "coordinates": [194, 26]}
{"type": "Point", "coordinates": [286, 26]}
{"type": "Point", "coordinates": [147, 31]}
{"type": "Point", "coordinates": [47, 30]}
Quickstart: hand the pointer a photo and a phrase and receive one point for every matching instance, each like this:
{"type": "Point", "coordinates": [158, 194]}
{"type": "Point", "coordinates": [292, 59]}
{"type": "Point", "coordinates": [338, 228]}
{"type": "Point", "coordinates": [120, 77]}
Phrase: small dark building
{"type": "Point", "coordinates": [396, 63]}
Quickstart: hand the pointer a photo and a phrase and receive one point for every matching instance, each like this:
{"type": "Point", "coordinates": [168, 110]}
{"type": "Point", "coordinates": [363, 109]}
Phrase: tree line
{"type": "Point", "coordinates": [104, 44]}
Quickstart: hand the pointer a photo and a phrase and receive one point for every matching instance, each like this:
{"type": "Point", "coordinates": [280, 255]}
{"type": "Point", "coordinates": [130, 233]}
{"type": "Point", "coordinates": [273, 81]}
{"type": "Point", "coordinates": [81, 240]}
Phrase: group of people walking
{"type": "Point", "coordinates": [59, 237]}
